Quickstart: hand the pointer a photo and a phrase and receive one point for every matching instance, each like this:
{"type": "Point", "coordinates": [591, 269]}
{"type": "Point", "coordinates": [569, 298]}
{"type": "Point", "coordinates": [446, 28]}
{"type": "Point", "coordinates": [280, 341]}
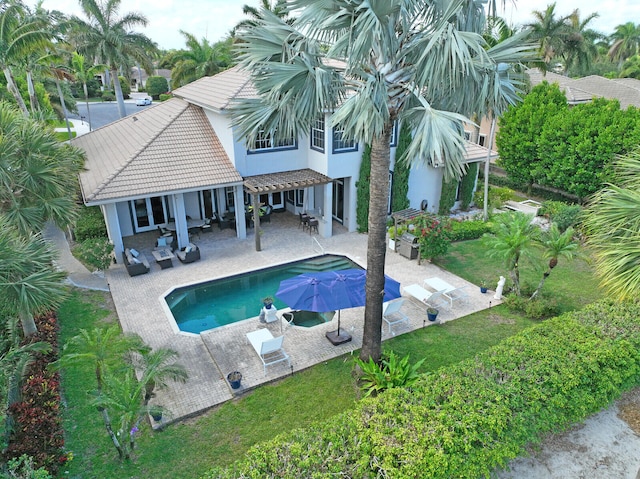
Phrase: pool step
{"type": "Point", "coordinates": [332, 265]}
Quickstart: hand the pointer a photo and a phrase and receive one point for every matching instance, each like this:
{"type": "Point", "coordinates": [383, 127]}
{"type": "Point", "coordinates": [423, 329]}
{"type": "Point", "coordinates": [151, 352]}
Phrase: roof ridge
{"type": "Point", "coordinates": [117, 172]}
{"type": "Point", "coordinates": [239, 89]}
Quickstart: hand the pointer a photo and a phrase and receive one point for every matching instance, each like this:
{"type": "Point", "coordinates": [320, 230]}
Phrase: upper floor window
{"type": "Point", "coordinates": [317, 134]}
{"type": "Point", "coordinates": [341, 144]}
{"type": "Point", "coordinates": [394, 134]}
{"type": "Point", "coordinates": [264, 142]}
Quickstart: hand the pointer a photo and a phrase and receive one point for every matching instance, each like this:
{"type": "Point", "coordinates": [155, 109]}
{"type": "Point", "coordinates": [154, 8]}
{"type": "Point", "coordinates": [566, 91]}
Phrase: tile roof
{"type": "Point", "coordinates": [474, 153]}
{"type": "Point", "coordinates": [218, 91]}
{"type": "Point", "coordinates": [610, 89]}
{"type": "Point", "coordinates": [166, 148]}
{"type": "Point", "coordinates": [574, 95]}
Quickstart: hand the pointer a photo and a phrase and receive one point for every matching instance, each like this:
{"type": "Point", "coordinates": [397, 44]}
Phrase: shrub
{"type": "Point", "coordinates": [467, 230]}
{"type": "Point", "coordinates": [433, 235]}
{"type": "Point", "coordinates": [156, 85]}
{"type": "Point", "coordinates": [562, 214]}
{"type": "Point", "coordinates": [108, 95]}
{"type": "Point", "coordinates": [125, 87]}
{"type": "Point", "coordinates": [465, 420]}
{"type": "Point", "coordinates": [392, 372]}
{"type": "Point", "coordinates": [90, 224]}
{"type": "Point", "coordinates": [165, 96]}
{"type": "Point", "coordinates": [537, 309]}
{"type": "Point", "coordinates": [396, 233]}
{"type": "Point", "coordinates": [497, 196]}
{"type": "Point", "coordinates": [23, 468]}
{"type": "Point", "coordinates": [95, 252]}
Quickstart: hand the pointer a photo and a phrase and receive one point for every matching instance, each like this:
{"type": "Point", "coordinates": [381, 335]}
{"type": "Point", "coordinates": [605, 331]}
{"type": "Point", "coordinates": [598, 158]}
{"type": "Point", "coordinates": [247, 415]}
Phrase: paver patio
{"type": "Point", "coordinates": [211, 355]}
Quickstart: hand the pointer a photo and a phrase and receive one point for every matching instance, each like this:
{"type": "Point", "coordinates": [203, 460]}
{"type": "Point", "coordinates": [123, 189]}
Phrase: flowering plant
{"type": "Point", "coordinates": [433, 235]}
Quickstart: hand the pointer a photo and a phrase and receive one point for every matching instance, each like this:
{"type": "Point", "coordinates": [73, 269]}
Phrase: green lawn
{"type": "Point", "coordinates": [222, 435]}
{"type": "Point", "coordinates": [64, 135]}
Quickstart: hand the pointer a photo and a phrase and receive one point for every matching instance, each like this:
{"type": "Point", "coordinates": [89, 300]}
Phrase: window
{"type": "Point", "coordinates": [317, 135]}
{"type": "Point", "coordinates": [340, 144]}
{"type": "Point", "coordinates": [229, 197]}
{"type": "Point", "coordinates": [394, 134]}
{"type": "Point", "coordinates": [482, 139]}
{"type": "Point", "coordinates": [467, 135]}
{"type": "Point", "coordinates": [295, 197]}
{"type": "Point", "coordinates": [264, 142]}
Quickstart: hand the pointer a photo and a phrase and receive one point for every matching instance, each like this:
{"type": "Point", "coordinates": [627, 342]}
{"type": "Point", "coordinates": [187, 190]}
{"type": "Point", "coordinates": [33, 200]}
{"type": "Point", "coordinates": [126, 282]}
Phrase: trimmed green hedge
{"type": "Point", "coordinates": [466, 420]}
{"type": "Point", "coordinates": [90, 224]}
{"type": "Point", "coordinates": [469, 229]}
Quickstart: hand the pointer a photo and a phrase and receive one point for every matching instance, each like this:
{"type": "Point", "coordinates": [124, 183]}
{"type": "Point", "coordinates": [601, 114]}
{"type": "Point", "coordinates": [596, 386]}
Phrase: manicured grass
{"type": "Point", "coordinates": [221, 436]}
{"type": "Point", "coordinates": [64, 135]}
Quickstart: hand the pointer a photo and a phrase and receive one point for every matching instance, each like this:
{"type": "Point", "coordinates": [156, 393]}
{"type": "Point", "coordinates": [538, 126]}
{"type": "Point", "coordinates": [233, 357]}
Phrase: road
{"type": "Point", "coordinates": [105, 112]}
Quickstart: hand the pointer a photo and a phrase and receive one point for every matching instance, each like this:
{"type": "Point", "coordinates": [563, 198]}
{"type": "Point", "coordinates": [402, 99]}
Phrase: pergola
{"type": "Point", "coordinates": [274, 182]}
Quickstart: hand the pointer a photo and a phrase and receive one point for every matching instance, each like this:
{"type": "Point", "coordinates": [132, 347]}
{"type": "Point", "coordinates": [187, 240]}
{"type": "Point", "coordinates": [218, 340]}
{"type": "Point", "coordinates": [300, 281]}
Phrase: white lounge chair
{"type": "Point", "coordinates": [268, 348]}
{"type": "Point", "coordinates": [427, 298]}
{"type": "Point", "coordinates": [391, 313]}
{"type": "Point", "coordinates": [450, 292]}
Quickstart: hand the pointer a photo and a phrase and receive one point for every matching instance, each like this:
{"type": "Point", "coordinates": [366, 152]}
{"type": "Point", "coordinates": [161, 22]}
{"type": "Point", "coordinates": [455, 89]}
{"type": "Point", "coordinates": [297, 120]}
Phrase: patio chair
{"type": "Point", "coordinates": [268, 348]}
{"type": "Point", "coordinates": [287, 317]}
{"type": "Point", "coordinates": [135, 262]}
{"type": "Point", "coordinates": [164, 232]}
{"type": "Point", "coordinates": [312, 224]}
{"type": "Point", "coordinates": [189, 253]}
{"type": "Point", "coordinates": [304, 220]}
{"type": "Point", "coordinates": [391, 313]}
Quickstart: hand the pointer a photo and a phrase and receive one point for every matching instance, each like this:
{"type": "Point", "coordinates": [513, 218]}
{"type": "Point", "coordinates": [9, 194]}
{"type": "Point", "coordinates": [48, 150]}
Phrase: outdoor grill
{"type": "Point", "coordinates": [408, 246]}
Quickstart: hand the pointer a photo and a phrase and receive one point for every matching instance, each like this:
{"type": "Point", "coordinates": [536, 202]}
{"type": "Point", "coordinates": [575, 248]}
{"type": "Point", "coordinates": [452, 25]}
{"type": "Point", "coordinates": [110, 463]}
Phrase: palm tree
{"type": "Point", "coordinates": [631, 68]}
{"type": "Point", "coordinates": [108, 37]}
{"type": "Point", "coordinates": [38, 174]}
{"type": "Point", "coordinates": [626, 41]}
{"type": "Point", "coordinates": [556, 245]}
{"type": "Point", "coordinates": [20, 33]}
{"type": "Point", "coordinates": [511, 241]}
{"type": "Point", "coordinates": [550, 32]}
{"type": "Point", "coordinates": [418, 62]}
{"type": "Point", "coordinates": [158, 366]}
{"type": "Point", "coordinates": [612, 224]}
{"type": "Point", "coordinates": [278, 8]}
{"type": "Point", "coordinates": [580, 43]}
{"type": "Point", "coordinates": [83, 75]}
{"type": "Point", "coordinates": [29, 283]}
{"type": "Point", "coordinates": [200, 60]}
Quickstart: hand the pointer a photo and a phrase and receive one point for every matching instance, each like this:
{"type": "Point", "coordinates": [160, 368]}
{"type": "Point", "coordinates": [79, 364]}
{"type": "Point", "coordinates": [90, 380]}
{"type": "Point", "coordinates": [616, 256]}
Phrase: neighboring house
{"type": "Point", "coordinates": [139, 77]}
{"type": "Point", "coordinates": [577, 91]}
{"type": "Point", "coordinates": [180, 158]}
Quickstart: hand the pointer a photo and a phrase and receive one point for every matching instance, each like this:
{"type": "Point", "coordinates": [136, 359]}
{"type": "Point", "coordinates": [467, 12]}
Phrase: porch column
{"type": "Point", "coordinates": [110, 215]}
{"type": "Point", "coordinates": [241, 223]}
{"type": "Point", "coordinates": [255, 201]}
{"type": "Point", "coordinates": [180, 219]}
{"type": "Point", "coordinates": [326, 224]}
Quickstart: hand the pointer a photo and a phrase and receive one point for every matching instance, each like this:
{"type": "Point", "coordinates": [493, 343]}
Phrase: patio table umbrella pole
{"type": "Point", "coordinates": [336, 337]}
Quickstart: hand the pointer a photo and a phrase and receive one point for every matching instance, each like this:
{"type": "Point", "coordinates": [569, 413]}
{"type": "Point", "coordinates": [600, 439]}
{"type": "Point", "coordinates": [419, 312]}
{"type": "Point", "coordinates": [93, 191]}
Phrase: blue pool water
{"type": "Point", "coordinates": [204, 306]}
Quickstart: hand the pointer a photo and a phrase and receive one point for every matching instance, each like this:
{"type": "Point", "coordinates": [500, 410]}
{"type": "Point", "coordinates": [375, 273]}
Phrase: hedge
{"type": "Point", "coordinates": [469, 229]}
{"type": "Point", "coordinates": [464, 421]}
{"type": "Point", "coordinates": [90, 224]}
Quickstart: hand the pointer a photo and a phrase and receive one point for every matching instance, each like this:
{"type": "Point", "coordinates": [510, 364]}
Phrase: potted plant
{"type": "Point", "coordinates": [483, 286]}
{"type": "Point", "coordinates": [432, 314]}
{"type": "Point", "coordinates": [394, 235]}
{"type": "Point", "coordinates": [267, 302]}
{"type": "Point", "coordinates": [234, 379]}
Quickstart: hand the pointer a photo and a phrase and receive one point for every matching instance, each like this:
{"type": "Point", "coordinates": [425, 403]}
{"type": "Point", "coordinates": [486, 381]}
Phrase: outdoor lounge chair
{"type": "Point", "coordinates": [189, 253]}
{"type": "Point", "coordinates": [135, 262]}
{"type": "Point", "coordinates": [268, 348]}
{"type": "Point", "coordinates": [427, 298]}
{"type": "Point", "coordinates": [391, 313]}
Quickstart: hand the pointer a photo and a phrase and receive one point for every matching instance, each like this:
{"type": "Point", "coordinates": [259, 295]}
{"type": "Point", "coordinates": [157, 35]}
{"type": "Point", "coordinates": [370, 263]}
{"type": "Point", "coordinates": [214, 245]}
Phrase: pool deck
{"type": "Point", "coordinates": [211, 355]}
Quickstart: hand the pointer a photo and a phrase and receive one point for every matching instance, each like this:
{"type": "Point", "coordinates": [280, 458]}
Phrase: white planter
{"type": "Point", "coordinates": [392, 244]}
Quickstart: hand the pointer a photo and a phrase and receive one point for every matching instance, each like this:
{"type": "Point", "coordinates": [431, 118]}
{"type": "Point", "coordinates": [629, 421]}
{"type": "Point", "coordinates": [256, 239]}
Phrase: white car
{"type": "Point", "coordinates": [143, 101]}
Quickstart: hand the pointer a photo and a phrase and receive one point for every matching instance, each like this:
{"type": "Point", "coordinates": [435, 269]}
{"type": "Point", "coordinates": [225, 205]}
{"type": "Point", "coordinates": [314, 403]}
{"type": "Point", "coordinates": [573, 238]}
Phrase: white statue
{"type": "Point", "coordinates": [499, 288]}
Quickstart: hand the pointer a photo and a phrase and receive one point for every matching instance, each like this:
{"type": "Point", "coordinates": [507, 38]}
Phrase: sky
{"type": "Point", "coordinates": [214, 19]}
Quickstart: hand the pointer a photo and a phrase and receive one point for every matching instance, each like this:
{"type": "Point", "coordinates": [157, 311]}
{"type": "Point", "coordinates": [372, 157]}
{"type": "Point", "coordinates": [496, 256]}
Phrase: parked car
{"type": "Point", "coordinates": [143, 101]}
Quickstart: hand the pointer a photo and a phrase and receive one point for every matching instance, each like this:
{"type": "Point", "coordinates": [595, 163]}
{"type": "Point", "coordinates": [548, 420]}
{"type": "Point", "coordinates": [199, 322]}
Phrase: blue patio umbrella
{"type": "Point", "coordinates": [329, 291]}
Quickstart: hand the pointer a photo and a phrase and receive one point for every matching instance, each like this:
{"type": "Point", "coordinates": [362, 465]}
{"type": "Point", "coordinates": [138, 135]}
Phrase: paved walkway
{"type": "Point", "coordinates": [78, 274]}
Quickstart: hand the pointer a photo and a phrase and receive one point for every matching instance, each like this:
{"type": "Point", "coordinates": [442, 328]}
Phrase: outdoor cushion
{"type": "Point", "coordinates": [188, 249]}
{"type": "Point", "coordinates": [134, 252]}
{"type": "Point", "coordinates": [135, 261]}
{"type": "Point", "coordinates": [162, 241]}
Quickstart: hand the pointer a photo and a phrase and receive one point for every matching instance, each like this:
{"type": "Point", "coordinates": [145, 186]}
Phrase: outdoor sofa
{"type": "Point", "coordinates": [135, 262]}
{"type": "Point", "coordinates": [189, 253]}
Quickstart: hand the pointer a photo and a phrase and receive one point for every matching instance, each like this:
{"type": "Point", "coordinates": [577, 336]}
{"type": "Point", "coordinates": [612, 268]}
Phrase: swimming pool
{"type": "Point", "coordinates": [216, 303]}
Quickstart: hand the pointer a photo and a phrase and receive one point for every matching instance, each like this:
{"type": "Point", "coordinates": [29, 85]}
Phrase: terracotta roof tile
{"type": "Point", "coordinates": [166, 148]}
{"type": "Point", "coordinates": [218, 91]}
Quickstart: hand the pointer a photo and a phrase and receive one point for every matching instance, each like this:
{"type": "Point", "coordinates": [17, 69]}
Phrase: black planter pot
{"type": "Point", "coordinates": [234, 379]}
{"type": "Point", "coordinates": [483, 290]}
{"type": "Point", "coordinates": [157, 417]}
{"type": "Point", "coordinates": [432, 316]}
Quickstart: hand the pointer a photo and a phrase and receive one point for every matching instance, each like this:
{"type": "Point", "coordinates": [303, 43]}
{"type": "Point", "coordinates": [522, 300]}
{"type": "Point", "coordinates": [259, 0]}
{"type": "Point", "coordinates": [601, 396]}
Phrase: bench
{"type": "Point", "coordinates": [268, 348]}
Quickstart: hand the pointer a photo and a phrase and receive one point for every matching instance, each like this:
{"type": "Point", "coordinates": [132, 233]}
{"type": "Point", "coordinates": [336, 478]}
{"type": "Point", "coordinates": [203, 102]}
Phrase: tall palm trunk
{"type": "Point", "coordinates": [28, 324]}
{"type": "Point", "coordinates": [86, 99]}
{"type": "Point", "coordinates": [118, 91]}
{"type": "Point", "coordinates": [33, 99]}
{"type": "Point", "coordinates": [11, 86]}
{"type": "Point", "coordinates": [64, 107]}
{"type": "Point", "coordinates": [515, 275]}
{"type": "Point", "coordinates": [376, 247]}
